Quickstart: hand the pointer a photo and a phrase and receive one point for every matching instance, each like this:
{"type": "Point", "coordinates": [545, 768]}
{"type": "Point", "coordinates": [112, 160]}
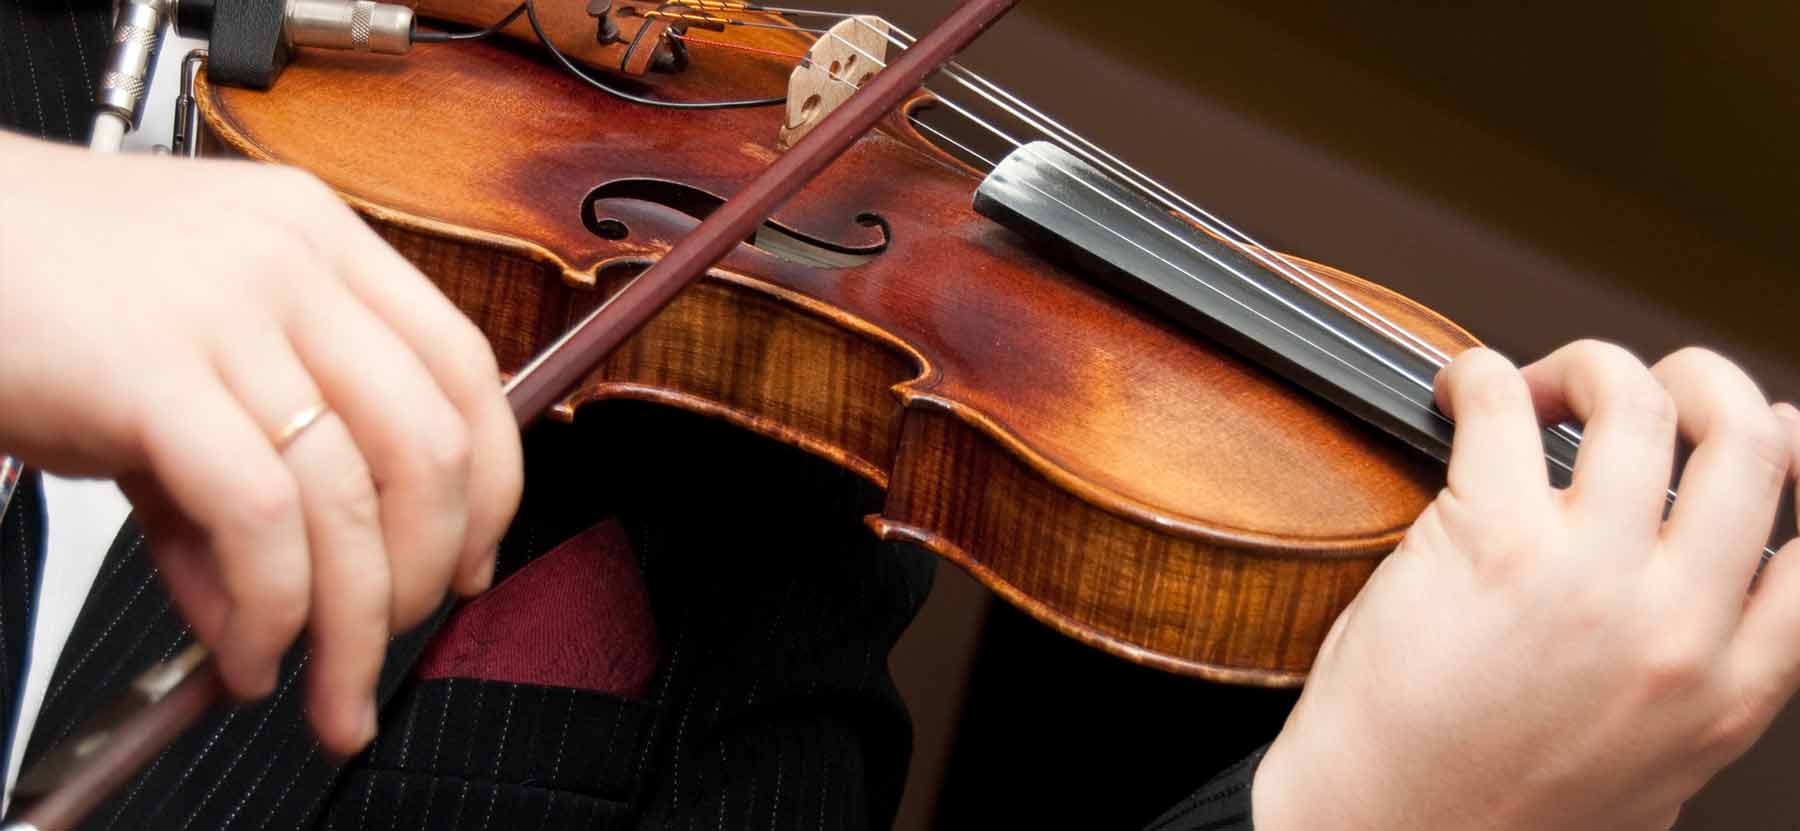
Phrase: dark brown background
{"type": "Point", "coordinates": [1537, 172]}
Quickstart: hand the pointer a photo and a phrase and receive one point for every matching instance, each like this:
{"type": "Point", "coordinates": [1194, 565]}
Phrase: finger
{"type": "Point", "coordinates": [352, 587]}
{"type": "Point", "coordinates": [414, 442]}
{"type": "Point", "coordinates": [1789, 417]}
{"type": "Point", "coordinates": [459, 357]}
{"type": "Point", "coordinates": [1731, 486]}
{"type": "Point", "coordinates": [1496, 456]}
{"type": "Point", "coordinates": [219, 469]}
{"type": "Point", "coordinates": [351, 592]}
{"type": "Point", "coordinates": [191, 576]}
{"type": "Point", "coordinates": [178, 549]}
{"type": "Point", "coordinates": [1767, 649]}
{"type": "Point", "coordinates": [1628, 433]}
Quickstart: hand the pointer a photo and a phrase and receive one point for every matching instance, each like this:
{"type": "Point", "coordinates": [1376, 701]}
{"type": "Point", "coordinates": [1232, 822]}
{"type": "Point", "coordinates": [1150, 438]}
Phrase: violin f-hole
{"type": "Point", "coordinates": [775, 239]}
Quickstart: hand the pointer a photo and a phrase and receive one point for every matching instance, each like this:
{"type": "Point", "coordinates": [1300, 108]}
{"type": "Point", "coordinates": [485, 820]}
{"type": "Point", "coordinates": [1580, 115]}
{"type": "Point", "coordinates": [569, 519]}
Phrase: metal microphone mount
{"type": "Point", "coordinates": [249, 44]}
{"type": "Point", "coordinates": [249, 41]}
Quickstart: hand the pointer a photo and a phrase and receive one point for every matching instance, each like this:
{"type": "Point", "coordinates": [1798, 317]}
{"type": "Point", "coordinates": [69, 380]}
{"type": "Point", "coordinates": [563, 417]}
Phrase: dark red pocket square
{"type": "Point", "coordinates": [577, 617]}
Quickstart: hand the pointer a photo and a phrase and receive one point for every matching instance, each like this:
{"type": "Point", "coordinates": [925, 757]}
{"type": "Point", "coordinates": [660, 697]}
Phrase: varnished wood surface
{"type": "Point", "coordinates": [1127, 483]}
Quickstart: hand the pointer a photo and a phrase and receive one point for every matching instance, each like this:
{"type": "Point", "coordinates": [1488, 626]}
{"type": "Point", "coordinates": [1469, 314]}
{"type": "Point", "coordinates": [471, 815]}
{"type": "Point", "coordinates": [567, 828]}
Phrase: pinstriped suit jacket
{"type": "Point", "coordinates": [773, 707]}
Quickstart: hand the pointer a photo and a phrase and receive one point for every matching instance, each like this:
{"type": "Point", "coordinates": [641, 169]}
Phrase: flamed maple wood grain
{"type": "Point", "coordinates": [1192, 606]}
{"type": "Point", "coordinates": [1125, 482]}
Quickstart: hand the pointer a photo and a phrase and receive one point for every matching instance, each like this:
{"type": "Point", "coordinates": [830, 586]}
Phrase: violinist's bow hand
{"type": "Point", "coordinates": [312, 435]}
{"type": "Point", "coordinates": [1560, 659]}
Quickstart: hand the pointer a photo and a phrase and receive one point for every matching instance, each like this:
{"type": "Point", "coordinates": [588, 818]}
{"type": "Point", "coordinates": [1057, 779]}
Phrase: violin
{"type": "Point", "coordinates": [1098, 460]}
{"type": "Point", "coordinates": [1115, 410]}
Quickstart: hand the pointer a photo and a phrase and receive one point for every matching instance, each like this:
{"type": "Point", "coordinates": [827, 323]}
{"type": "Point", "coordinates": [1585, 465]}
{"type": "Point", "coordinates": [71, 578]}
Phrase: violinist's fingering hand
{"type": "Point", "coordinates": [1559, 659]}
{"type": "Point", "coordinates": [164, 322]}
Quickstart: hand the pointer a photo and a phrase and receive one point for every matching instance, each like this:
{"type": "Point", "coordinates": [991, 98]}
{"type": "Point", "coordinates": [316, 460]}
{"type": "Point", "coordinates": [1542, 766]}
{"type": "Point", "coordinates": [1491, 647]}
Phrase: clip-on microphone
{"type": "Point", "coordinates": [249, 42]}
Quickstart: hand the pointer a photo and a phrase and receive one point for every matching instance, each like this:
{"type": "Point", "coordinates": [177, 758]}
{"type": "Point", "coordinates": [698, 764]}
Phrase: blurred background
{"type": "Point", "coordinates": [1537, 172]}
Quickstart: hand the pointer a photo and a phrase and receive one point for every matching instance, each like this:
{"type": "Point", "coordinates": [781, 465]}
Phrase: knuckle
{"type": "Point", "coordinates": [303, 206]}
{"type": "Point", "coordinates": [1502, 550]}
{"type": "Point", "coordinates": [267, 501]}
{"type": "Point", "coordinates": [270, 254]}
{"type": "Point", "coordinates": [1696, 357]}
{"type": "Point", "coordinates": [1618, 379]}
{"type": "Point", "coordinates": [1760, 438]}
{"type": "Point", "coordinates": [1497, 393]}
{"type": "Point", "coordinates": [436, 456]}
{"type": "Point", "coordinates": [1485, 380]}
{"type": "Point", "coordinates": [1481, 362]}
{"type": "Point", "coordinates": [293, 183]}
{"type": "Point", "coordinates": [1648, 403]}
{"type": "Point", "coordinates": [356, 500]}
{"type": "Point", "coordinates": [1673, 665]}
{"type": "Point", "coordinates": [1505, 551]}
{"type": "Point", "coordinates": [1737, 727]}
{"type": "Point", "coordinates": [1611, 366]}
{"type": "Point", "coordinates": [1586, 615]}
{"type": "Point", "coordinates": [279, 609]}
{"type": "Point", "coordinates": [1713, 377]}
{"type": "Point", "coordinates": [412, 606]}
{"type": "Point", "coordinates": [478, 354]}
{"type": "Point", "coordinates": [1602, 354]}
{"type": "Point", "coordinates": [448, 452]}
{"type": "Point", "coordinates": [274, 264]}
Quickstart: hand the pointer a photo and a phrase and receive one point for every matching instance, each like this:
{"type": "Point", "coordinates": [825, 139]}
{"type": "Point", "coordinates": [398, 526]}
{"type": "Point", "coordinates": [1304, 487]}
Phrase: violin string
{"type": "Point", "coordinates": [1431, 355]}
{"type": "Point", "coordinates": [1065, 136]}
{"type": "Point", "coordinates": [803, 60]}
{"type": "Point", "coordinates": [1100, 157]}
{"type": "Point", "coordinates": [785, 27]}
{"type": "Point", "coordinates": [1093, 154]}
{"type": "Point", "coordinates": [1172, 199]}
{"type": "Point", "coordinates": [1323, 325]}
{"type": "Point", "coordinates": [1069, 140]}
{"type": "Point", "coordinates": [1181, 240]}
{"type": "Point", "coordinates": [944, 137]}
{"type": "Point", "coordinates": [1037, 120]}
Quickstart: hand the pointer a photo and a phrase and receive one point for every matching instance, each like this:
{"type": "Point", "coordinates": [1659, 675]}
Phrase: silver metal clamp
{"type": "Point", "coordinates": [130, 60]}
{"type": "Point", "coordinates": [357, 25]}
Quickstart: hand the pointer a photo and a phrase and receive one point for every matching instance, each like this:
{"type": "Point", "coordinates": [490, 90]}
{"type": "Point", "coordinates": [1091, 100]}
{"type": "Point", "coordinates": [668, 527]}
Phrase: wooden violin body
{"type": "Point", "coordinates": [1122, 480]}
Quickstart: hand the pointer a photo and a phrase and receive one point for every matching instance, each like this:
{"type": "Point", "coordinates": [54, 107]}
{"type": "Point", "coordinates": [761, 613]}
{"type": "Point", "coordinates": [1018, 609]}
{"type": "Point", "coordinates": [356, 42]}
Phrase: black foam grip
{"type": "Point", "coordinates": [246, 48]}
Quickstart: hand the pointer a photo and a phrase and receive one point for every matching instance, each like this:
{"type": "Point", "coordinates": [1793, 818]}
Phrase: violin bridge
{"type": "Point", "coordinates": [839, 62]}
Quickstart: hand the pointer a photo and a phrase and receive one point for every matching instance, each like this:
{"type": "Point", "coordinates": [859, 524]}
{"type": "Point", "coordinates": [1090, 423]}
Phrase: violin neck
{"type": "Point", "coordinates": [1217, 289]}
